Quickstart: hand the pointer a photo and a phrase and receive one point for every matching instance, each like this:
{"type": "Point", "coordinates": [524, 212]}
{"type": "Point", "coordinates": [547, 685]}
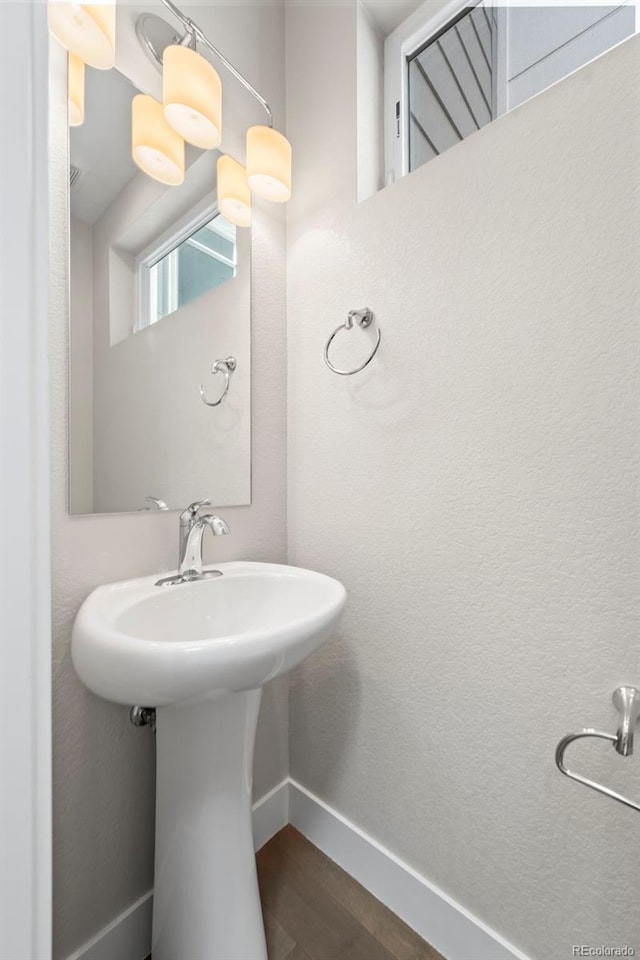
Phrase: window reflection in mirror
{"type": "Point", "coordinates": [184, 266]}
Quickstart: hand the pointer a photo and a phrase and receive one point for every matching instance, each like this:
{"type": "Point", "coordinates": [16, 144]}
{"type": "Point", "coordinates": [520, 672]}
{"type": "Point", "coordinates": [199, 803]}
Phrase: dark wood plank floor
{"type": "Point", "coordinates": [313, 910]}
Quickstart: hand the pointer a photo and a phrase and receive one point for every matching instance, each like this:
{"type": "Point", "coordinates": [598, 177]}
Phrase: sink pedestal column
{"type": "Point", "coordinates": [206, 901]}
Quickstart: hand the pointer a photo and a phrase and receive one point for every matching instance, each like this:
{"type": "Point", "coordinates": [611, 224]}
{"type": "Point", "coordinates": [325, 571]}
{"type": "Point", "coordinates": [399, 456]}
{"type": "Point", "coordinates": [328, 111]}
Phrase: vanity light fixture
{"type": "Point", "coordinates": [155, 146]}
{"type": "Point", "coordinates": [269, 164]}
{"type": "Point", "coordinates": [192, 105]}
{"type": "Point", "coordinates": [234, 196]}
{"type": "Point", "coordinates": [192, 96]}
{"type": "Point", "coordinates": [75, 72]}
{"type": "Point", "coordinates": [87, 30]}
{"type": "Point", "coordinates": [192, 102]}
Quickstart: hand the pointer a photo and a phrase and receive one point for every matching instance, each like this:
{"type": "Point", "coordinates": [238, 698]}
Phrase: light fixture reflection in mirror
{"type": "Point", "coordinates": [191, 110]}
{"type": "Point", "coordinates": [192, 97]}
{"type": "Point", "coordinates": [192, 103]}
{"type": "Point", "coordinates": [155, 146]}
{"type": "Point", "coordinates": [76, 72]}
{"type": "Point", "coordinates": [86, 29]}
{"type": "Point", "coordinates": [234, 196]}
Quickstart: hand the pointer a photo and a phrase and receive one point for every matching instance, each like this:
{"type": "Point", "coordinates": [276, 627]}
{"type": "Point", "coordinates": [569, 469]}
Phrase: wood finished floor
{"type": "Point", "coordinates": [313, 910]}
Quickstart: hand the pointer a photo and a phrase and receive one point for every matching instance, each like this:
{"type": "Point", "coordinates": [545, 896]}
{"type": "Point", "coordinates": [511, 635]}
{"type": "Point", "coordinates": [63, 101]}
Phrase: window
{"type": "Point", "coordinates": [192, 260]}
{"type": "Point", "coordinates": [451, 85]}
{"type": "Point", "coordinates": [454, 74]}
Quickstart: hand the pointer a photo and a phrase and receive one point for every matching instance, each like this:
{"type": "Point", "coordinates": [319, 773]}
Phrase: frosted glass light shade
{"type": "Point", "coordinates": [234, 196]}
{"type": "Point", "coordinates": [269, 163]}
{"type": "Point", "coordinates": [192, 97]}
{"type": "Point", "coordinates": [155, 146]}
{"type": "Point", "coordinates": [87, 30]}
{"type": "Point", "coordinates": [75, 90]}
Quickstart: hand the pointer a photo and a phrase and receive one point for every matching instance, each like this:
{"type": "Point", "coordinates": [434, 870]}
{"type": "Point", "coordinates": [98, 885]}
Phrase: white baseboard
{"type": "Point", "coordinates": [451, 929]}
{"type": "Point", "coordinates": [270, 814]}
{"type": "Point", "coordinates": [128, 937]}
{"type": "Point", "coordinates": [442, 922]}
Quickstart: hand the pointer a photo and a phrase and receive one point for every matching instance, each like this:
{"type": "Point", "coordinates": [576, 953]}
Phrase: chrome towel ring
{"type": "Point", "coordinates": [627, 702]}
{"type": "Point", "coordinates": [364, 319]}
{"type": "Point", "coordinates": [226, 367]}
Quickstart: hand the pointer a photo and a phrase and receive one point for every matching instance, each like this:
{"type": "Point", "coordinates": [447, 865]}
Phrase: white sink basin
{"type": "Point", "coordinates": [137, 643]}
{"type": "Point", "coordinates": [200, 652]}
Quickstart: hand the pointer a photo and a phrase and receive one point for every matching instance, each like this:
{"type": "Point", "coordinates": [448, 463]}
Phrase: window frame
{"type": "Point", "coordinates": [166, 246]}
{"type": "Point", "coordinates": [402, 44]}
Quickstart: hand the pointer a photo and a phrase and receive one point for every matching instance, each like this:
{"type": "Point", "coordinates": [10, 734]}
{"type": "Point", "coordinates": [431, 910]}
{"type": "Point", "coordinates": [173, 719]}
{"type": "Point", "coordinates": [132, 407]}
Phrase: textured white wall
{"type": "Point", "coordinates": [103, 767]}
{"type": "Point", "coordinates": [475, 489]}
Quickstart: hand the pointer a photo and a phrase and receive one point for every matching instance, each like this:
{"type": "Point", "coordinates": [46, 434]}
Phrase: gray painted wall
{"type": "Point", "coordinates": [475, 488]}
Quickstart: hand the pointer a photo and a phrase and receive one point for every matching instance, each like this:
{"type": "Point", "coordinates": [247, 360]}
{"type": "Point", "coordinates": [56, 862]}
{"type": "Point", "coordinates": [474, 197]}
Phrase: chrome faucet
{"type": "Point", "coordinates": [192, 527]}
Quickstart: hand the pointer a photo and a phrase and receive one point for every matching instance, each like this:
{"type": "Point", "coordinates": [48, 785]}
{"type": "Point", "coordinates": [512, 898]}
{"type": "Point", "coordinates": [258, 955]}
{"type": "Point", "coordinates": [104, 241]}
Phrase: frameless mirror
{"type": "Point", "coordinates": [159, 325]}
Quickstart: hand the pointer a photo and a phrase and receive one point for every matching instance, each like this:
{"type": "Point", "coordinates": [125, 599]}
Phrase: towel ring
{"type": "Point", "coordinates": [364, 319]}
{"type": "Point", "coordinates": [225, 367]}
{"type": "Point", "coordinates": [627, 701]}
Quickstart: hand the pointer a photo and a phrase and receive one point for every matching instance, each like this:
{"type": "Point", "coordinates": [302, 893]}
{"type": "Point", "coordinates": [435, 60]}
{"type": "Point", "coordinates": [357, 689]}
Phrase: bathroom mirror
{"type": "Point", "coordinates": [159, 305]}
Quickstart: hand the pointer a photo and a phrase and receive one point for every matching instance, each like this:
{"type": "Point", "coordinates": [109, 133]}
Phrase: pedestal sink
{"type": "Point", "coordinates": [200, 652]}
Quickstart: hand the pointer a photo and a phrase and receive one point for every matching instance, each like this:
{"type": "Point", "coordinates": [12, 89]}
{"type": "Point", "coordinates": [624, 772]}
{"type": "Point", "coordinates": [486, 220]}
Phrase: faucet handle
{"type": "Point", "coordinates": [192, 510]}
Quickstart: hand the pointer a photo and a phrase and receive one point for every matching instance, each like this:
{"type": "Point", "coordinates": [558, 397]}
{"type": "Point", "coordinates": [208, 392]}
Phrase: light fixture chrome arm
{"type": "Point", "coordinates": [194, 30]}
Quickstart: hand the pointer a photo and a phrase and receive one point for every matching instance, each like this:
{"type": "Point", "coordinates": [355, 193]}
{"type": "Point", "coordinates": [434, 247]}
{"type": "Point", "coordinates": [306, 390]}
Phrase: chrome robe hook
{"type": "Point", "coordinates": [225, 367]}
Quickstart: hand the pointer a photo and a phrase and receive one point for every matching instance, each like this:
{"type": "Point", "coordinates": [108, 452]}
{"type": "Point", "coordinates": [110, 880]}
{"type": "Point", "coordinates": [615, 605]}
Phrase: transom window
{"type": "Point", "coordinates": [451, 75]}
